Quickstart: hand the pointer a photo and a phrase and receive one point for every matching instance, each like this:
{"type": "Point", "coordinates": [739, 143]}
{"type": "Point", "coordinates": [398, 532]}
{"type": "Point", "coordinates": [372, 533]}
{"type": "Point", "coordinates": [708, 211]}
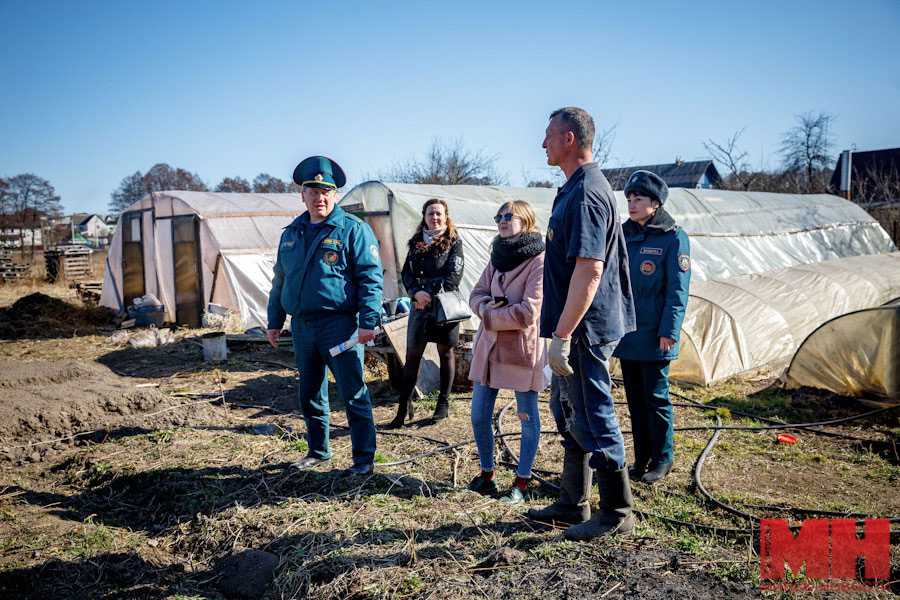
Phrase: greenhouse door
{"type": "Point", "coordinates": [186, 254]}
{"type": "Point", "coordinates": [132, 257]}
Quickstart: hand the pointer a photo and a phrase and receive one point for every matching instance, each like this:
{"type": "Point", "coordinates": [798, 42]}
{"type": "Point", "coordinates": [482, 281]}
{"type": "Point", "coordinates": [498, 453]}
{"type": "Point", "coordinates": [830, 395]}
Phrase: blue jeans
{"type": "Point", "coordinates": [312, 339]}
{"type": "Point", "coordinates": [582, 406]}
{"type": "Point", "coordinates": [483, 398]}
{"type": "Point", "coordinates": [647, 389]}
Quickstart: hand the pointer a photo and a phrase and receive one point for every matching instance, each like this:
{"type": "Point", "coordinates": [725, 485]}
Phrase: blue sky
{"type": "Point", "coordinates": [93, 91]}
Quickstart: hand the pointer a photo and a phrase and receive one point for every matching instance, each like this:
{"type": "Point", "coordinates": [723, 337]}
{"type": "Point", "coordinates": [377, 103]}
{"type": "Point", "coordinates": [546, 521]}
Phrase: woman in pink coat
{"type": "Point", "coordinates": [508, 352]}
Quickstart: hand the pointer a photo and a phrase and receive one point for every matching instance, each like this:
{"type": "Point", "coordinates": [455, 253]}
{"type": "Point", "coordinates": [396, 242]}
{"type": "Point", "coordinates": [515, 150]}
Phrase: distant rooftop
{"type": "Point", "coordinates": [683, 174]}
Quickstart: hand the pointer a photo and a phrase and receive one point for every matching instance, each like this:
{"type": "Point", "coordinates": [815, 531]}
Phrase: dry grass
{"type": "Point", "coordinates": [150, 513]}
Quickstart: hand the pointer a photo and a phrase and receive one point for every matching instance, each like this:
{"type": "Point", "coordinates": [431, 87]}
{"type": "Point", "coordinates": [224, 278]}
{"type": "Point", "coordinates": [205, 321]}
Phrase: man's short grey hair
{"type": "Point", "coordinates": [579, 122]}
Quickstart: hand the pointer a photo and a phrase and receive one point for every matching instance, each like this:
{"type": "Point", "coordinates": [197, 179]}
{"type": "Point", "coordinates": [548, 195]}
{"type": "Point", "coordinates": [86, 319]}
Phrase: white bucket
{"type": "Point", "coordinates": [214, 346]}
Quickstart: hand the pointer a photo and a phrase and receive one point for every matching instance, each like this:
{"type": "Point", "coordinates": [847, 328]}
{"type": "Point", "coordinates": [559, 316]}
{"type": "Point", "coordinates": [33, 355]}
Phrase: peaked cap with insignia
{"type": "Point", "coordinates": [319, 172]}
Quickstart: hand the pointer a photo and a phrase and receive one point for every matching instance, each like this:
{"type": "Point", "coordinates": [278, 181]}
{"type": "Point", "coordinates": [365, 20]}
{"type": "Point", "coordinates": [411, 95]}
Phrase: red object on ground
{"type": "Point", "coordinates": [785, 438]}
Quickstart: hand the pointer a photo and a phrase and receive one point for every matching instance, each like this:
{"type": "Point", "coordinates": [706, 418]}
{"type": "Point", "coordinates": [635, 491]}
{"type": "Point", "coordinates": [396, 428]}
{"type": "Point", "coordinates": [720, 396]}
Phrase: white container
{"type": "Point", "coordinates": [214, 347]}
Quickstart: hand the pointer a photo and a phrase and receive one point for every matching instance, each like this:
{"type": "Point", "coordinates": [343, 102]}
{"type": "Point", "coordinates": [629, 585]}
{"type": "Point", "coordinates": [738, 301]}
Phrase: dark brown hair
{"type": "Point", "coordinates": [452, 233]}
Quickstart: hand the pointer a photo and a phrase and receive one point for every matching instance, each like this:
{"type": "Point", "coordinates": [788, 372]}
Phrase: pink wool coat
{"type": "Point", "coordinates": [508, 352]}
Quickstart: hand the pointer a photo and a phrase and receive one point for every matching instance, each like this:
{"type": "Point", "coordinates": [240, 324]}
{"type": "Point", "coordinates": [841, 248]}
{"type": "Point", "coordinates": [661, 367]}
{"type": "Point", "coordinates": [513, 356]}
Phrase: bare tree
{"type": "Point", "coordinates": [806, 148]}
{"type": "Point", "coordinates": [233, 184]}
{"type": "Point", "coordinates": [267, 184]}
{"type": "Point", "coordinates": [733, 158]}
{"type": "Point", "coordinates": [130, 190]}
{"type": "Point", "coordinates": [159, 178]}
{"type": "Point", "coordinates": [876, 185]}
{"type": "Point", "coordinates": [449, 164]}
{"type": "Point", "coordinates": [31, 197]}
{"type": "Point", "coordinates": [162, 177]}
{"type": "Point", "coordinates": [602, 147]}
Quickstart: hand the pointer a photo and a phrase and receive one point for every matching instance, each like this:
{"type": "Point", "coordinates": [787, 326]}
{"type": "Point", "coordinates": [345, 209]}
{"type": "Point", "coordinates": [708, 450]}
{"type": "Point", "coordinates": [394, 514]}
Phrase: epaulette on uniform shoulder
{"type": "Point", "coordinates": [353, 217]}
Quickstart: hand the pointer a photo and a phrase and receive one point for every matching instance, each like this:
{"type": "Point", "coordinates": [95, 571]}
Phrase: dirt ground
{"type": "Point", "coordinates": [146, 473]}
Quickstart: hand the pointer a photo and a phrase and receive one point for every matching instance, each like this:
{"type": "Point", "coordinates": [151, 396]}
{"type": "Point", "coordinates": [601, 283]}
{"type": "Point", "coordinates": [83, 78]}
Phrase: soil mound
{"type": "Point", "coordinates": [46, 400]}
{"type": "Point", "coordinates": [40, 315]}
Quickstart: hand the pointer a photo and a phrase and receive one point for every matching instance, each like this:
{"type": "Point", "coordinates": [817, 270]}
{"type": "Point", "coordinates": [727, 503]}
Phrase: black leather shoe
{"type": "Point", "coordinates": [657, 472]}
{"type": "Point", "coordinates": [360, 469]}
{"type": "Point", "coordinates": [307, 463]}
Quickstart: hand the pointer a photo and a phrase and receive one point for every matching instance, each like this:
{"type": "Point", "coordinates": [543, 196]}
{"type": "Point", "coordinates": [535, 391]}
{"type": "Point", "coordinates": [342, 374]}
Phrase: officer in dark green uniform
{"type": "Point", "coordinates": [328, 277]}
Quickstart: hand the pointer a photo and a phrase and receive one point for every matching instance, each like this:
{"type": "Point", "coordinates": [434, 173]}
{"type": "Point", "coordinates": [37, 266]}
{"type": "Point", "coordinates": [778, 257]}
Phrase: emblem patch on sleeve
{"type": "Point", "coordinates": [374, 250]}
{"type": "Point", "coordinates": [330, 258]}
{"type": "Point", "coordinates": [550, 234]}
{"type": "Point", "coordinates": [684, 261]}
{"type": "Point", "coordinates": [648, 267]}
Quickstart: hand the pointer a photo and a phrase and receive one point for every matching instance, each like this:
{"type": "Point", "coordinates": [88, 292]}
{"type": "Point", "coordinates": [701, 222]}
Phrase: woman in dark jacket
{"type": "Point", "coordinates": [660, 264]}
{"type": "Point", "coordinates": [434, 263]}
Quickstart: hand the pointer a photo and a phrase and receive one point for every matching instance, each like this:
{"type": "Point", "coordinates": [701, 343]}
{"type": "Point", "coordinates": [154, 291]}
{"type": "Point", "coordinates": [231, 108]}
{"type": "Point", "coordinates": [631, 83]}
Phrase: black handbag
{"type": "Point", "coordinates": [450, 307]}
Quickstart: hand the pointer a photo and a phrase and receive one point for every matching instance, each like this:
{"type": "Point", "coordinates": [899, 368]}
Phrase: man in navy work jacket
{"type": "Point", "coordinates": [587, 308]}
{"type": "Point", "coordinates": [328, 277]}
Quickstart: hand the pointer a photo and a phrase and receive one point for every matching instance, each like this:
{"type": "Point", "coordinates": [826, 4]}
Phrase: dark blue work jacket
{"type": "Point", "coordinates": [584, 223]}
{"type": "Point", "coordinates": [339, 271]}
{"type": "Point", "coordinates": [659, 257]}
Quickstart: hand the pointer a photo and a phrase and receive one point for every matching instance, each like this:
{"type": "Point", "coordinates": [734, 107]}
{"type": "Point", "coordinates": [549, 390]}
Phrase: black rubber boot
{"type": "Point", "coordinates": [613, 516]}
{"type": "Point", "coordinates": [442, 410]}
{"type": "Point", "coordinates": [575, 489]}
{"type": "Point", "coordinates": [657, 472]}
{"type": "Point", "coordinates": [405, 409]}
{"type": "Point", "coordinates": [637, 470]}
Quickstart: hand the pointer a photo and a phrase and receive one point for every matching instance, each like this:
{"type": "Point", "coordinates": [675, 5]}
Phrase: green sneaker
{"type": "Point", "coordinates": [514, 496]}
{"type": "Point", "coordinates": [485, 487]}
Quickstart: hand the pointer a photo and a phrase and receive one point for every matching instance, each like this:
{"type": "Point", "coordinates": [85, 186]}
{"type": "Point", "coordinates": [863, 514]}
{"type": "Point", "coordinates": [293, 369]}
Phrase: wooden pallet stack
{"type": "Point", "coordinates": [69, 263]}
{"type": "Point", "coordinates": [88, 291]}
{"type": "Point", "coordinates": [11, 272]}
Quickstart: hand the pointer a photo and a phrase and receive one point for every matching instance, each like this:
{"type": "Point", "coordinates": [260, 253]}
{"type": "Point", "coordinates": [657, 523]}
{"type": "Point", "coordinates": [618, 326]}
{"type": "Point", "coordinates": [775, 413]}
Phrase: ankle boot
{"type": "Point", "coordinates": [405, 409]}
{"type": "Point", "coordinates": [575, 487]}
{"type": "Point", "coordinates": [442, 410]}
{"type": "Point", "coordinates": [657, 472]}
{"type": "Point", "coordinates": [613, 516]}
{"type": "Point", "coordinates": [637, 470]}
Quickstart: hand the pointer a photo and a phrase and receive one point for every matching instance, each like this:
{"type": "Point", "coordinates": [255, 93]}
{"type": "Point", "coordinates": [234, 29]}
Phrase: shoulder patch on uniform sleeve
{"type": "Point", "coordinates": [684, 262]}
{"type": "Point", "coordinates": [374, 250]}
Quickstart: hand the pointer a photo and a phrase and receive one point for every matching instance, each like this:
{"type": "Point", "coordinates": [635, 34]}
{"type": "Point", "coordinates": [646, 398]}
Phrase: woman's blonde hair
{"type": "Point", "coordinates": [523, 210]}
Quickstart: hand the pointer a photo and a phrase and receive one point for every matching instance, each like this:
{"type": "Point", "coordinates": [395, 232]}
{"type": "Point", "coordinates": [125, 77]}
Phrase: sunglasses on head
{"type": "Point", "coordinates": [505, 217]}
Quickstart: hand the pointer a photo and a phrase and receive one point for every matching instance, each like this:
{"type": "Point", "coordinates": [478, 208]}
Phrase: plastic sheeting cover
{"type": "Point", "coordinates": [242, 228]}
{"type": "Point", "coordinates": [732, 233]}
{"type": "Point", "coordinates": [856, 354]}
{"type": "Point", "coordinates": [745, 323]}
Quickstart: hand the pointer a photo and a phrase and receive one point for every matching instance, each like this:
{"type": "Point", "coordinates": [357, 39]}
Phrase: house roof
{"type": "Point", "coordinates": [864, 167]}
{"type": "Point", "coordinates": [677, 174]}
{"type": "Point", "coordinates": [79, 219]}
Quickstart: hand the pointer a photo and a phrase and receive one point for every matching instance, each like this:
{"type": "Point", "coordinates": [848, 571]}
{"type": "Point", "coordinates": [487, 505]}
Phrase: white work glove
{"type": "Point", "coordinates": [559, 356]}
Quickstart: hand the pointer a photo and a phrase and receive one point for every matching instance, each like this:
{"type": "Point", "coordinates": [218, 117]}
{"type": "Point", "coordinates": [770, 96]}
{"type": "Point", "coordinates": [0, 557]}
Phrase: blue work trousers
{"type": "Point", "coordinates": [312, 339]}
{"type": "Point", "coordinates": [647, 390]}
{"type": "Point", "coordinates": [582, 406]}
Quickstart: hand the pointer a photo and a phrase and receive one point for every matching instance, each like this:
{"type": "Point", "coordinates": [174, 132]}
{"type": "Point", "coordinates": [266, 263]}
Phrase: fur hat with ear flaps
{"type": "Point", "coordinates": [645, 183]}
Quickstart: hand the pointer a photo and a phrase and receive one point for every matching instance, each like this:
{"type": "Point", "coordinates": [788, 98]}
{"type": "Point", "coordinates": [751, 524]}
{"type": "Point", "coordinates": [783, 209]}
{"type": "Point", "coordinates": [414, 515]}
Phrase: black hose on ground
{"type": "Point", "coordinates": [698, 467]}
